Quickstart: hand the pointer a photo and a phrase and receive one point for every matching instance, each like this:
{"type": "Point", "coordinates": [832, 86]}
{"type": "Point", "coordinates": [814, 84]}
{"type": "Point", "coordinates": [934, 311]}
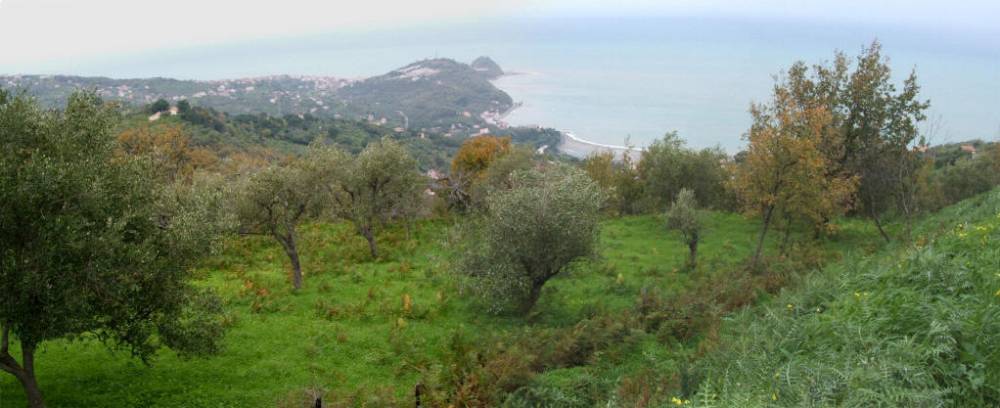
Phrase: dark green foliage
{"type": "Point", "coordinates": [949, 154]}
{"type": "Point", "coordinates": [531, 136]}
{"type": "Point", "coordinates": [968, 177]}
{"type": "Point", "coordinates": [159, 106]}
{"type": "Point", "coordinates": [204, 117]}
{"type": "Point", "coordinates": [667, 167]}
{"type": "Point", "coordinates": [88, 245]}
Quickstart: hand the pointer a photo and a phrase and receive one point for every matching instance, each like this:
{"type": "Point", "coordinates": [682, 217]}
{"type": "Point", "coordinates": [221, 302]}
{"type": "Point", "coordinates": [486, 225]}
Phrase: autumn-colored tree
{"type": "Point", "coordinates": [477, 153]}
{"type": "Point", "coordinates": [169, 148]}
{"type": "Point", "coordinates": [470, 163]}
{"type": "Point", "coordinates": [785, 171]}
{"type": "Point", "coordinates": [874, 122]}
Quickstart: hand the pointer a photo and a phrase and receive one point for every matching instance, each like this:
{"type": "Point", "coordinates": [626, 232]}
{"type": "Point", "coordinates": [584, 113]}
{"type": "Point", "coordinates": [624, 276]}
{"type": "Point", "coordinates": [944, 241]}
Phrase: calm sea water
{"type": "Point", "coordinates": [610, 80]}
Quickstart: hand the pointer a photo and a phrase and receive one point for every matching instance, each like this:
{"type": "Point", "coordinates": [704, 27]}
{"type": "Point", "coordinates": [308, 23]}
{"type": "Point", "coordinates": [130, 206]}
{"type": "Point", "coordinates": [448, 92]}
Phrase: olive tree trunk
{"type": "Point", "coordinates": [24, 372]}
{"type": "Point", "coordinates": [369, 235]}
{"type": "Point", "coordinates": [290, 246]}
{"type": "Point", "coordinates": [693, 249]}
{"type": "Point", "coordinates": [531, 298]}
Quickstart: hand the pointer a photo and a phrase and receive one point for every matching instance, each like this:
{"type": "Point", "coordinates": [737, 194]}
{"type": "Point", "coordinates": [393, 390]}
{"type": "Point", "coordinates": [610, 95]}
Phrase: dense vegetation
{"type": "Point", "coordinates": [92, 245]}
{"type": "Point", "coordinates": [815, 268]}
{"type": "Point", "coordinates": [227, 134]}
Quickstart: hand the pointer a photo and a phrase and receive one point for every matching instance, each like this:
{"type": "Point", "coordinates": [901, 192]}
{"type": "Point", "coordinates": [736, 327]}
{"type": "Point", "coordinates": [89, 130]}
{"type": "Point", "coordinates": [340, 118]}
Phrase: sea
{"type": "Point", "coordinates": [621, 80]}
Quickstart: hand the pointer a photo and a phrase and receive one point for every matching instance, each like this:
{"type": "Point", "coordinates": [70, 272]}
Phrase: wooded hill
{"type": "Point", "coordinates": [435, 93]}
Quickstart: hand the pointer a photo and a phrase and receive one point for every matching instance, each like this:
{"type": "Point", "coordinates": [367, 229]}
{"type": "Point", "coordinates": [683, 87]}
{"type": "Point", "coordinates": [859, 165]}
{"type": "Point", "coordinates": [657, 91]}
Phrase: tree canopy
{"type": "Point", "coordinates": [529, 234]}
{"type": "Point", "coordinates": [379, 185]}
{"type": "Point", "coordinates": [89, 242]}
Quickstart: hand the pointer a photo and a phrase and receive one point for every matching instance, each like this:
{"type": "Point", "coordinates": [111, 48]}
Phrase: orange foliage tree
{"type": "Point", "coordinates": [786, 172]}
{"type": "Point", "coordinates": [170, 149]}
{"type": "Point", "coordinates": [469, 165]}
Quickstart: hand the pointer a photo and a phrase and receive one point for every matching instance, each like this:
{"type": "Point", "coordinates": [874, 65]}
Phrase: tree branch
{"type": "Point", "coordinates": [8, 363]}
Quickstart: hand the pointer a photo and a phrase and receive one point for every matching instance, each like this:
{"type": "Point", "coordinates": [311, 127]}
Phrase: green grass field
{"type": "Point", "coordinates": [349, 332]}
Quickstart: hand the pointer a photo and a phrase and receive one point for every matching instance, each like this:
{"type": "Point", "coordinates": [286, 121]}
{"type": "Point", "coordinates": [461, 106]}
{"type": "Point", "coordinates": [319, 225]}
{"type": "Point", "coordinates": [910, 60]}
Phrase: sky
{"type": "Point", "coordinates": [36, 32]}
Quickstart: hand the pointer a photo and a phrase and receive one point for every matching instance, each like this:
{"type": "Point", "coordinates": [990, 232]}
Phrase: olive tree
{"type": "Point", "coordinates": [275, 200]}
{"type": "Point", "coordinates": [529, 234]}
{"type": "Point", "coordinates": [381, 184]}
{"type": "Point", "coordinates": [90, 243]}
{"type": "Point", "coordinates": [684, 216]}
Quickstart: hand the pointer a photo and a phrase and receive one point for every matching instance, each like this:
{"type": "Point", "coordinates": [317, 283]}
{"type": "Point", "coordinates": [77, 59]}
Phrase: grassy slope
{"type": "Point", "coordinates": [915, 325]}
{"type": "Point", "coordinates": [347, 331]}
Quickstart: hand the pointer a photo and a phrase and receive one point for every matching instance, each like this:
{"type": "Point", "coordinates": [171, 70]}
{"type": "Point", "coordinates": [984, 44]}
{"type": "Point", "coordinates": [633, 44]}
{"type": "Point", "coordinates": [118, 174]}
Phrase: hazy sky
{"type": "Point", "coordinates": [33, 32]}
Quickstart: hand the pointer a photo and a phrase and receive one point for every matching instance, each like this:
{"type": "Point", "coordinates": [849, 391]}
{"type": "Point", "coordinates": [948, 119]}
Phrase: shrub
{"type": "Point", "coordinates": [683, 216]}
{"type": "Point", "coordinates": [529, 235]}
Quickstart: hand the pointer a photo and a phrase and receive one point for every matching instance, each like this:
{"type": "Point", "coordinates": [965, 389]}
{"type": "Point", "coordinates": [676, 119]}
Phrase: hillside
{"type": "Point", "coordinates": [350, 338]}
{"type": "Point", "coordinates": [275, 95]}
{"type": "Point", "coordinates": [487, 67]}
{"type": "Point", "coordinates": [435, 93]}
{"type": "Point", "coordinates": [292, 133]}
{"type": "Point", "coordinates": [442, 94]}
{"type": "Point", "coordinates": [913, 325]}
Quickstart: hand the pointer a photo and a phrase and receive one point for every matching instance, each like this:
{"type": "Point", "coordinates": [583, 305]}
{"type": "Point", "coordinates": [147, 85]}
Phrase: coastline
{"type": "Point", "coordinates": [569, 143]}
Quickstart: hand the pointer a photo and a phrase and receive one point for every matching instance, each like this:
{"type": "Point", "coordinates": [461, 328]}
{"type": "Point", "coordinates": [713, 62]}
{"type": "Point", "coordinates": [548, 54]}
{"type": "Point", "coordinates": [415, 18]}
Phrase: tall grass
{"type": "Point", "coordinates": [917, 325]}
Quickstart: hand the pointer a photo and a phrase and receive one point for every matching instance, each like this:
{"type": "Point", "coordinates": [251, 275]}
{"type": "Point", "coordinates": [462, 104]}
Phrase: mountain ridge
{"type": "Point", "coordinates": [438, 94]}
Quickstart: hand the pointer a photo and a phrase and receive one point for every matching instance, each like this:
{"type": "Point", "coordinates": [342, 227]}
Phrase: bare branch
{"type": "Point", "coordinates": [8, 363]}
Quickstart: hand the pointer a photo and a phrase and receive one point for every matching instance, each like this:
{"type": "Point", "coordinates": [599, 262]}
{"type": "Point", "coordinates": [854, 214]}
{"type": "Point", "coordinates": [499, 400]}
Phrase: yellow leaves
{"type": "Point", "coordinates": [789, 162]}
{"type": "Point", "coordinates": [678, 401]}
{"type": "Point", "coordinates": [169, 148]}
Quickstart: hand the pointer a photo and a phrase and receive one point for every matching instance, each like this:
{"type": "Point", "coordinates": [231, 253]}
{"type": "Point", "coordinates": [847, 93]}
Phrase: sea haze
{"type": "Point", "coordinates": [612, 79]}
